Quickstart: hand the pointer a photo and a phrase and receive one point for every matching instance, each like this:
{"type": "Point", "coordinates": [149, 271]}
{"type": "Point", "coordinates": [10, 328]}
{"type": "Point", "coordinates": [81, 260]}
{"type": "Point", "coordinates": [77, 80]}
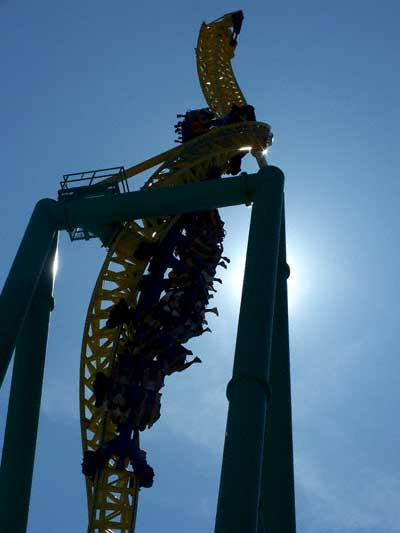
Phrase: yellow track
{"type": "Point", "coordinates": [113, 496]}
{"type": "Point", "coordinates": [214, 53]}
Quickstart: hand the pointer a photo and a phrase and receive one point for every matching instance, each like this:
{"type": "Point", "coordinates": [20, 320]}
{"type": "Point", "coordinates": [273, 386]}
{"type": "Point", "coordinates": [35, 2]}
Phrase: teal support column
{"type": "Point", "coordinates": [277, 487]}
{"type": "Point", "coordinates": [23, 278]}
{"type": "Point", "coordinates": [248, 390]}
{"type": "Point", "coordinates": [24, 405]}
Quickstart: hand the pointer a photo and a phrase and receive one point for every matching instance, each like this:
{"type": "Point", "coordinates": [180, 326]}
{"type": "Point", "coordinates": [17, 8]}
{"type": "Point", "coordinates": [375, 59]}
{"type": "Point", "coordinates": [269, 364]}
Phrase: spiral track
{"type": "Point", "coordinates": [113, 495]}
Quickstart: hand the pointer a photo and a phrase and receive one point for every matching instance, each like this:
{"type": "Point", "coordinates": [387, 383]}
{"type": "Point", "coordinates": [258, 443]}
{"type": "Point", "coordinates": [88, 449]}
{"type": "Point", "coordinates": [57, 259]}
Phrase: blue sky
{"type": "Point", "coordinates": [94, 84]}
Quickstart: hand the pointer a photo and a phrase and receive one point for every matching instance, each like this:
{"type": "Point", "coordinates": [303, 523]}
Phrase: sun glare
{"type": "Point", "coordinates": [297, 288]}
{"type": "Point", "coordinates": [298, 285]}
{"type": "Point", "coordinates": [234, 276]}
{"type": "Point", "coordinates": [55, 264]}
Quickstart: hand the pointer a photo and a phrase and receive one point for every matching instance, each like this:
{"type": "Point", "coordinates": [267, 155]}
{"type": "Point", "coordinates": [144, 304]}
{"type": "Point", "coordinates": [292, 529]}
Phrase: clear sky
{"type": "Point", "coordinates": [93, 84]}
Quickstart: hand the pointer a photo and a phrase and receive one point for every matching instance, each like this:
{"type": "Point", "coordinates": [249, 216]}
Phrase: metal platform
{"type": "Point", "coordinates": [92, 184]}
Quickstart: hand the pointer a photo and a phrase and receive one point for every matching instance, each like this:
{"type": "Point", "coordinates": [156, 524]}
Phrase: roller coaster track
{"type": "Point", "coordinates": [213, 54]}
{"type": "Point", "coordinates": [113, 494]}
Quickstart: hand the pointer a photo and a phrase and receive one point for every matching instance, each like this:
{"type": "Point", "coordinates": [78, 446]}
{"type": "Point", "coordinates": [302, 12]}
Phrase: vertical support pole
{"type": "Point", "coordinates": [247, 391]}
{"type": "Point", "coordinates": [277, 487]}
{"type": "Point", "coordinates": [21, 282]}
{"type": "Point", "coordinates": [24, 405]}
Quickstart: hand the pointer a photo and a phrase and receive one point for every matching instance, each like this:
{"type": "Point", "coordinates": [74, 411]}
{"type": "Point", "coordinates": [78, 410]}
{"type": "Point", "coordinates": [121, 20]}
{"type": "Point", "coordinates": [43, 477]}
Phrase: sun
{"type": "Point", "coordinates": [297, 282]}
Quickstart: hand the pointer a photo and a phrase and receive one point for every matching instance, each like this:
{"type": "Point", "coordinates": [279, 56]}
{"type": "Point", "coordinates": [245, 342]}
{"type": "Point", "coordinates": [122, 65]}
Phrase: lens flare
{"type": "Point", "coordinates": [55, 264]}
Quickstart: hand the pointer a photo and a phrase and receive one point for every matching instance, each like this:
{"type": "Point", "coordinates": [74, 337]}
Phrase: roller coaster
{"type": "Point", "coordinates": [154, 289]}
{"type": "Point", "coordinates": [152, 292]}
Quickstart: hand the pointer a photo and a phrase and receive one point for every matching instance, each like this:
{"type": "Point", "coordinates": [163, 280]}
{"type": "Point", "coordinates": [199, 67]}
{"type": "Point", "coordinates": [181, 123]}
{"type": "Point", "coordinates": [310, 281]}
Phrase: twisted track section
{"type": "Point", "coordinates": [113, 495]}
{"type": "Point", "coordinates": [214, 52]}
